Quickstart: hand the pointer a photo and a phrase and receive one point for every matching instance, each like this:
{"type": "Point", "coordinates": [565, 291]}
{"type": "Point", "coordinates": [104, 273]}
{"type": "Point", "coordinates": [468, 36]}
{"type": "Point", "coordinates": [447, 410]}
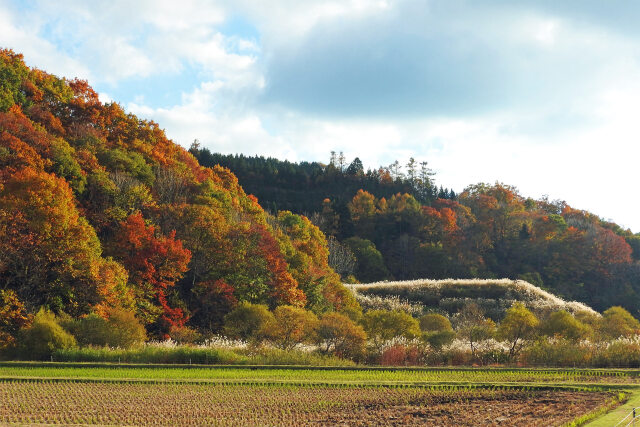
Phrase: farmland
{"type": "Point", "coordinates": [187, 395]}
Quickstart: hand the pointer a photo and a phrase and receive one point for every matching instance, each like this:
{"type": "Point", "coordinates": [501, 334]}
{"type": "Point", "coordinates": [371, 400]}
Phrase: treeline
{"type": "Point", "coordinates": [301, 187]}
{"type": "Point", "coordinates": [99, 211]}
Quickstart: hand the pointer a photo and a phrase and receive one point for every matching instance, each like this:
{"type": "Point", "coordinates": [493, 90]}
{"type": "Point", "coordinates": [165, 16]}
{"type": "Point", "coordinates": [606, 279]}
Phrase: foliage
{"type": "Point", "coordinates": [12, 317]}
{"type": "Point", "coordinates": [382, 326]}
{"type": "Point", "coordinates": [434, 322]}
{"type": "Point", "coordinates": [518, 325]}
{"type": "Point", "coordinates": [338, 334]}
{"type": "Point", "coordinates": [438, 339]}
{"type": "Point", "coordinates": [248, 322]}
{"type": "Point", "coordinates": [120, 329]}
{"type": "Point", "coordinates": [618, 322]}
{"type": "Point", "coordinates": [290, 327]}
{"type": "Point", "coordinates": [369, 263]}
{"type": "Point", "coordinates": [473, 327]}
{"type": "Point", "coordinates": [44, 336]}
{"type": "Point", "coordinates": [99, 209]}
{"type": "Point", "coordinates": [562, 324]}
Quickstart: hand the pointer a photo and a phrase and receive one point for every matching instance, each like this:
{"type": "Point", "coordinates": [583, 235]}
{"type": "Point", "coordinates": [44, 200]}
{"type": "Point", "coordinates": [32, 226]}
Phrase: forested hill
{"type": "Point", "coordinates": [99, 210]}
{"type": "Point", "coordinates": [400, 227]}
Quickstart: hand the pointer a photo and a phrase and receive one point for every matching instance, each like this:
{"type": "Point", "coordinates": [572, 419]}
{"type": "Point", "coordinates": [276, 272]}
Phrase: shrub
{"type": "Point", "coordinates": [339, 335]}
{"type": "Point", "coordinates": [398, 355]}
{"type": "Point", "coordinates": [434, 322]}
{"type": "Point", "coordinates": [561, 352]}
{"type": "Point", "coordinates": [120, 329]}
{"type": "Point", "coordinates": [43, 337]}
{"type": "Point", "coordinates": [562, 324]}
{"type": "Point", "coordinates": [617, 322]}
{"type": "Point", "coordinates": [382, 326]}
{"type": "Point", "coordinates": [247, 321]}
{"type": "Point", "coordinates": [439, 339]}
{"type": "Point", "coordinates": [184, 335]}
{"type": "Point", "coordinates": [127, 330]}
{"type": "Point", "coordinates": [290, 326]}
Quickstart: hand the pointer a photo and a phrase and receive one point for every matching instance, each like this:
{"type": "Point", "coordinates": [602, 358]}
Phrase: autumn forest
{"type": "Point", "coordinates": [100, 211]}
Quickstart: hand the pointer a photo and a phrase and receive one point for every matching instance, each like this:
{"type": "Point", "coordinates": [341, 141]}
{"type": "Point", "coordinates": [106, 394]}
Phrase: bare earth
{"type": "Point", "coordinates": [193, 404]}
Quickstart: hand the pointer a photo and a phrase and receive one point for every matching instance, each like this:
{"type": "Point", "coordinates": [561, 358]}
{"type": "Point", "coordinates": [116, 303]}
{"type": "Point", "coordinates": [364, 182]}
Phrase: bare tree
{"type": "Point", "coordinates": [341, 259]}
{"type": "Point", "coordinates": [169, 186]}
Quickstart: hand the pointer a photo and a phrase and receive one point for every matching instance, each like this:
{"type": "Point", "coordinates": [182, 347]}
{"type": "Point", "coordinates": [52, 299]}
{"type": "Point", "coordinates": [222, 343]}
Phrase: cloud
{"type": "Point", "coordinates": [539, 94]}
{"type": "Point", "coordinates": [440, 58]}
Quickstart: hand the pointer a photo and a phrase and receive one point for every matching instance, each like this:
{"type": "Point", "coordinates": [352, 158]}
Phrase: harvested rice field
{"type": "Point", "coordinates": [140, 403]}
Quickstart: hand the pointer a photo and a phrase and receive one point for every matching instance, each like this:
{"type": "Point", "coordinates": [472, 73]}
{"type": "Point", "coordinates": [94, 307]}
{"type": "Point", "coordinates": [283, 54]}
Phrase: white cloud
{"type": "Point", "coordinates": [554, 95]}
{"type": "Point", "coordinates": [37, 51]}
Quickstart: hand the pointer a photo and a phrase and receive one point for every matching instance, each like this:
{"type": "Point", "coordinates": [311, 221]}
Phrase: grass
{"type": "Point", "coordinates": [309, 374]}
{"type": "Point", "coordinates": [197, 355]}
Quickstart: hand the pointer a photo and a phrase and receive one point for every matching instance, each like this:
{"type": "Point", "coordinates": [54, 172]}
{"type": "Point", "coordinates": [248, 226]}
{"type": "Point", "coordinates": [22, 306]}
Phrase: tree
{"type": "Point", "coordinates": [563, 324]}
{"type": "Point", "coordinates": [341, 258]}
{"type": "Point", "coordinates": [155, 263]}
{"type": "Point", "coordinates": [618, 322]}
{"type": "Point", "coordinates": [369, 262]}
{"type": "Point", "coordinates": [355, 168]}
{"type": "Point", "coordinates": [473, 327]}
{"type": "Point", "coordinates": [213, 299]}
{"type": "Point", "coordinates": [339, 335]}
{"type": "Point", "coordinates": [518, 325]}
{"type": "Point", "coordinates": [290, 327]}
{"type": "Point", "coordinates": [382, 326]}
{"type": "Point", "coordinates": [13, 316]}
{"type": "Point", "coordinates": [434, 322]}
{"type": "Point", "coordinates": [49, 255]}
{"type": "Point", "coordinates": [248, 322]}
{"type": "Point", "coordinates": [39, 340]}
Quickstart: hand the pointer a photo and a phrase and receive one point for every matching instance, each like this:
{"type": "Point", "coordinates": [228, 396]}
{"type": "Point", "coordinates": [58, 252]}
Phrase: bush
{"type": "Point", "coordinates": [382, 326]}
{"type": "Point", "coordinates": [562, 324]}
{"type": "Point", "coordinates": [434, 322]}
{"type": "Point", "coordinates": [620, 354]}
{"type": "Point", "coordinates": [562, 352]}
{"type": "Point", "coordinates": [247, 321]}
{"type": "Point", "coordinates": [618, 322]}
{"type": "Point", "coordinates": [152, 353]}
{"type": "Point", "coordinates": [339, 335]}
{"type": "Point", "coordinates": [400, 355]}
{"type": "Point", "coordinates": [439, 339]}
{"type": "Point", "coordinates": [121, 329]}
{"type": "Point", "coordinates": [291, 326]}
{"type": "Point", "coordinates": [184, 335]}
{"type": "Point", "coordinates": [43, 337]}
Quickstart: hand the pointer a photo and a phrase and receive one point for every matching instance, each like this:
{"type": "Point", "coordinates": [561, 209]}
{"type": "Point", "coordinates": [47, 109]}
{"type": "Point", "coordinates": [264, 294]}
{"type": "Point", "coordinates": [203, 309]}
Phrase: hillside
{"type": "Point", "coordinates": [99, 209]}
{"type": "Point", "coordinates": [395, 231]}
{"type": "Point", "coordinates": [448, 297]}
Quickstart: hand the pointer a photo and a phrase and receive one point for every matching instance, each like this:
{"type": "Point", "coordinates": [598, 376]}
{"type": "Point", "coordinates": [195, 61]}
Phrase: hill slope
{"type": "Point", "coordinates": [99, 209]}
{"type": "Point", "coordinates": [494, 297]}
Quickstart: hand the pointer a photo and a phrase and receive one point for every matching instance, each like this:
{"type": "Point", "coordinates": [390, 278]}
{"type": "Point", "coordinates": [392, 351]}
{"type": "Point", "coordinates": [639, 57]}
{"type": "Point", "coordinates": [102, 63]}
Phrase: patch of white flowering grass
{"type": "Point", "coordinates": [407, 295]}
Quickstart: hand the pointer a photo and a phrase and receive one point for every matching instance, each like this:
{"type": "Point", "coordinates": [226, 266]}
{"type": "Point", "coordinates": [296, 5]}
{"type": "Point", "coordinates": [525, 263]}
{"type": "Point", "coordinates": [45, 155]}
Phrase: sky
{"type": "Point", "coordinates": [541, 95]}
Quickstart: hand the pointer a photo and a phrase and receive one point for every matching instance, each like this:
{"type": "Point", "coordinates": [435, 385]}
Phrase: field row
{"type": "Point", "coordinates": [191, 404]}
{"type": "Point", "coordinates": [337, 375]}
